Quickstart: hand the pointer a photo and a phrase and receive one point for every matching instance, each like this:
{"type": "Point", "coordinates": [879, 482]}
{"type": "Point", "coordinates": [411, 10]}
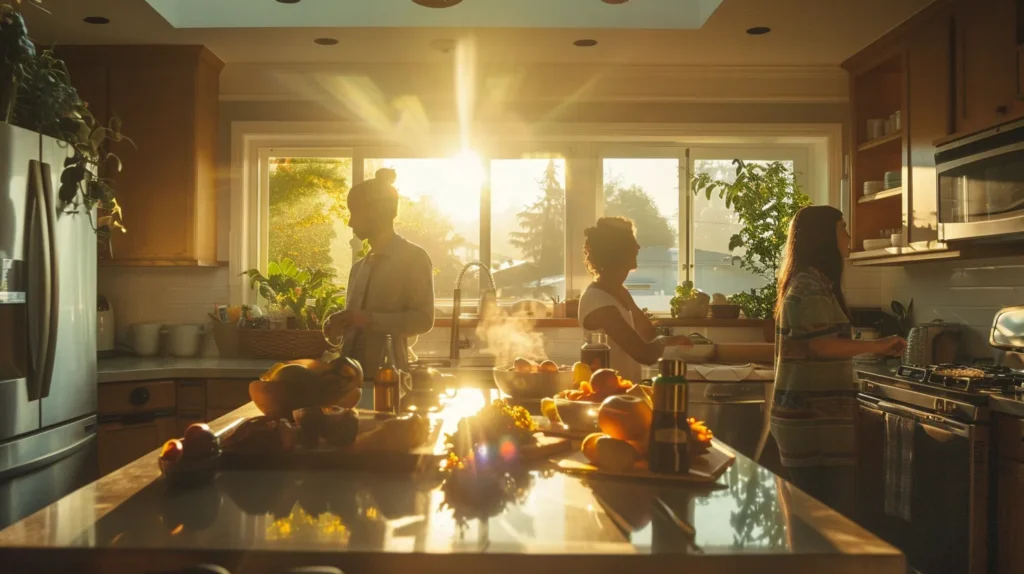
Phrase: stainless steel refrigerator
{"type": "Point", "coordinates": [47, 331]}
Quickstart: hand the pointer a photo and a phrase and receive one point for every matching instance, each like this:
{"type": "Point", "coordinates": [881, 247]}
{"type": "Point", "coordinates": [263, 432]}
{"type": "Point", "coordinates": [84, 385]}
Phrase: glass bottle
{"type": "Point", "coordinates": [386, 380]}
{"type": "Point", "coordinates": [596, 353]}
{"type": "Point", "coordinates": [670, 431]}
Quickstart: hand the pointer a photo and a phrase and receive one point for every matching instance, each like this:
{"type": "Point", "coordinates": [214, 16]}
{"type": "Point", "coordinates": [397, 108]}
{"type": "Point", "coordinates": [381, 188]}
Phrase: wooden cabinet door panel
{"type": "Point", "coordinates": [157, 186]}
{"type": "Point", "coordinates": [1010, 517]}
{"type": "Point", "coordinates": [120, 444]}
{"type": "Point", "coordinates": [986, 37]}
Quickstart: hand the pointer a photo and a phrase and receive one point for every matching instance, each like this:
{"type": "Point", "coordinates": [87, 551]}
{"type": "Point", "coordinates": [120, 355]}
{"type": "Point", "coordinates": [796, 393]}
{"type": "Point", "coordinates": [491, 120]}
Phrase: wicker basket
{"type": "Point", "coordinates": [282, 344]}
{"type": "Point", "coordinates": [228, 344]}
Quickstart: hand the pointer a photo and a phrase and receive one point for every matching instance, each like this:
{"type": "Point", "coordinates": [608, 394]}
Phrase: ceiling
{"type": "Point", "coordinates": [804, 32]}
{"type": "Point", "coordinates": [645, 14]}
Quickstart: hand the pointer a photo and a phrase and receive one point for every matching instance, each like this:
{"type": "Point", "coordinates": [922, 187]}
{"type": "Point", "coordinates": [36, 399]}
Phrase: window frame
{"type": "Point", "coordinates": [582, 145]}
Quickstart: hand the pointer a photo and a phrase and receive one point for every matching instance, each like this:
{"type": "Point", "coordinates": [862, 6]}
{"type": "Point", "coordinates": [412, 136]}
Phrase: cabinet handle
{"type": "Point", "coordinates": [139, 396]}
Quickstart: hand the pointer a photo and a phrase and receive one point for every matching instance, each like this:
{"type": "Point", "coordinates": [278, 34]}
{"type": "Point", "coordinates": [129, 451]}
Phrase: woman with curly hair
{"type": "Point", "coordinates": [606, 305]}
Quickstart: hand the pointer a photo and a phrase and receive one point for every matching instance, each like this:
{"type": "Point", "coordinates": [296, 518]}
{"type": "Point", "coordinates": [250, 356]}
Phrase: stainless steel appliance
{"type": "Point", "coordinates": [736, 411]}
{"type": "Point", "coordinates": [981, 185]}
{"type": "Point", "coordinates": [47, 331]}
{"type": "Point", "coordinates": [940, 416]}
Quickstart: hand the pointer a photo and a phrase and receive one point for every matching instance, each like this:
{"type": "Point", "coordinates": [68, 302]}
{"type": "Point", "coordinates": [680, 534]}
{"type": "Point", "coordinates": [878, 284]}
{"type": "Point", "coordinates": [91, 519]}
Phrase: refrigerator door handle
{"type": "Point", "coordinates": [41, 313]}
{"type": "Point", "coordinates": [53, 291]}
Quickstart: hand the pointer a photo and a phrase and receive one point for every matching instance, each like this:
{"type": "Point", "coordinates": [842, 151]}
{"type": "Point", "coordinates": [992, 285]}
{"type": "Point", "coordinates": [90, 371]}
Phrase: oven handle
{"type": "Point", "coordinates": [955, 163]}
{"type": "Point", "coordinates": [931, 421]}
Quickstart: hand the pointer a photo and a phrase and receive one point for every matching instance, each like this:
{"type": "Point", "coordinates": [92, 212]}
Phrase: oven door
{"type": "Point", "coordinates": [947, 529]}
{"type": "Point", "coordinates": [981, 186]}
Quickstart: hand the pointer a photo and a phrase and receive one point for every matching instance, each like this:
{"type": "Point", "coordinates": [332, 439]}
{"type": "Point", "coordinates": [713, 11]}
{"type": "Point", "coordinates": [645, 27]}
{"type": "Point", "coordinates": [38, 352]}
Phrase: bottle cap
{"type": "Point", "coordinates": [672, 367]}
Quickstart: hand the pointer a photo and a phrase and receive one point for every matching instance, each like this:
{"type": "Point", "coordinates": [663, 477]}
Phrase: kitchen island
{"type": "Point", "coordinates": [262, 521]}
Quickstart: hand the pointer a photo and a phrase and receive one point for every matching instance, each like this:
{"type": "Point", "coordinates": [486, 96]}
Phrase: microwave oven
{"type": "Point", "coordinates": [981, 186]}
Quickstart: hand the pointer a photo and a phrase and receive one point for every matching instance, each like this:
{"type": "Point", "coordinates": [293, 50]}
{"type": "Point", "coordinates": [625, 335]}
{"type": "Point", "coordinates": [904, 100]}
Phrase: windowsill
{"type": "Point", "coordinates": [551, 323]}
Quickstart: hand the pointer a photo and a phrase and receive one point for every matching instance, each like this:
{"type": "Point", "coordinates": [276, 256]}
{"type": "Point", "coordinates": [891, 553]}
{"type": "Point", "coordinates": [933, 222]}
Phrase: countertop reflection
{"type": "Point", "coordinates": [751, 512]}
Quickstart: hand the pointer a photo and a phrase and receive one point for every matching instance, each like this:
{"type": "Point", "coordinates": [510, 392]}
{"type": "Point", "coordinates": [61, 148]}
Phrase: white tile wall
{"type": "Point", "coordinates": [966, 292]}
{"type": "Point", "coordinates": [169, 295]}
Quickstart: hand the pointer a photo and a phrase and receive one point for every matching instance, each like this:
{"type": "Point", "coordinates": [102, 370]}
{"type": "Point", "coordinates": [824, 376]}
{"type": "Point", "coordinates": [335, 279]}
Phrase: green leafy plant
{"type": "Point", "coordinates": [765, 198]}
{"type": "Point", "coordinates": [309, 293]}
{"type": "Point", "coordinates": [686, 296]}
{"type": "Point", "coordinates": [36, 94]}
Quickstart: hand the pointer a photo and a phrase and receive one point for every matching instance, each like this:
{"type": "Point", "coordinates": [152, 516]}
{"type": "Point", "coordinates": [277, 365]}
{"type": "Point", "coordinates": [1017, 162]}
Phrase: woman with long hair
{"type": "Point", "coordinates": [812, 416]}
{"type": "Point", "coordinates": [610, 250]}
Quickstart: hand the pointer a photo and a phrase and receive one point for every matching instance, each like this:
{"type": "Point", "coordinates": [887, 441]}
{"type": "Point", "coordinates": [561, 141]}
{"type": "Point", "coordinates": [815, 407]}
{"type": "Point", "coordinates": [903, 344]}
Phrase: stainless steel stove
{"type": "Point", "coordinates": [924, 454]}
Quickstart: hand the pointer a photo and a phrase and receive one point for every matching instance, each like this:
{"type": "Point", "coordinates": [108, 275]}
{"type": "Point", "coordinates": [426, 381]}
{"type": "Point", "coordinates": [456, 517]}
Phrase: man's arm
{"type": "Point", "coordinates": [417, 317]}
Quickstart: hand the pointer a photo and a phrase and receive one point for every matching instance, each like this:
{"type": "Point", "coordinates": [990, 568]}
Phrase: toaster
{"type": "Point", "coordinates": [936, 343]}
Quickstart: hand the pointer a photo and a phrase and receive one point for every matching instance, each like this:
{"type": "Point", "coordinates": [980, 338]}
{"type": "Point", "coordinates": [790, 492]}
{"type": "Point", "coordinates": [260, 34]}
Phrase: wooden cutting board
{"type": "Point", "coordinates": [706, 468]}
{"type": "Point", "coordinates": [326, 457]}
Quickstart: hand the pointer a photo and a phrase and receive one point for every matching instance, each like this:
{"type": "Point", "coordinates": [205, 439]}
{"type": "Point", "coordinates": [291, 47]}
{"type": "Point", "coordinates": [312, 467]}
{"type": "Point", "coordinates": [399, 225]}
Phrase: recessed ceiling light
{"type": "Point", "coordinates": [96, 20]}
{"type": "Point", "coordinates": [585, 43]}
{"type": "Point", "coordinates": [326, 41]}
{"type": "Point", "coordinates": [443, 45]}
{"type": "Point", "coordinates": [289, 1]}
{"type": "Point", "coordinates": [615, 1]}
{"type": "Point", "coordinates": [437, 3]}
{"type": "Point", "coordinates": [758, 30]}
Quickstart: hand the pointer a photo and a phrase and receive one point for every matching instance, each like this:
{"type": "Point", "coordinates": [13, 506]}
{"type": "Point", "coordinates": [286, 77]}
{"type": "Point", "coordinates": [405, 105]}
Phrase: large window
{"type": "Point", "coordinates": [509, 211]}
{"type": "Point", "coordinates": [528, 227]}
{"type": "Point", "coordinates": [646, 190]}
{"type": "Point", "coordinates": [306, 213]}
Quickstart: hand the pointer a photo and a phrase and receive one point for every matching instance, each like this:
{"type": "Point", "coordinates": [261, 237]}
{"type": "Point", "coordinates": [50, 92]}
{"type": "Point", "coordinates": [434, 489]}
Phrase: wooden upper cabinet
{"type": "Point", "coordinates": [985, 73]}
{"type": "Point", "coordinates": [166, 98]}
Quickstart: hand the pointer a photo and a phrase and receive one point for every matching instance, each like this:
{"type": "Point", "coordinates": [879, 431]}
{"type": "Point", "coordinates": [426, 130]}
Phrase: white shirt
{"type": "Point", "coordinates": [594, 298]}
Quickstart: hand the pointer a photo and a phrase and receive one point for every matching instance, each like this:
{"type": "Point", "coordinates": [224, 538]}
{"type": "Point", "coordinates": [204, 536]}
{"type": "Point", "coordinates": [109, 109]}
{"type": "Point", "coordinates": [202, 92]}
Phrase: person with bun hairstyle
{"type": "Point", "coordinates": [610, 250]}
{"type": "Point", "coordinates": [391, 289]}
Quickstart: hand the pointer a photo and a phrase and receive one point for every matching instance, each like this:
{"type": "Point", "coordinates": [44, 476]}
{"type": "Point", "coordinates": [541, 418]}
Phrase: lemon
{"type": "Point", "coordinates": [580, 373]}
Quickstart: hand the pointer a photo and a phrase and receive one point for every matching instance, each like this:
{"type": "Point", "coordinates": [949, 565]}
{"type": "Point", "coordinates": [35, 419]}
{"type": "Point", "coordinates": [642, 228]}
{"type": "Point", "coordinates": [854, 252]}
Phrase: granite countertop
{"type": "Point", "coordinates": [259, 521]}
{"type": "Point", "coordinates": [122, 369]}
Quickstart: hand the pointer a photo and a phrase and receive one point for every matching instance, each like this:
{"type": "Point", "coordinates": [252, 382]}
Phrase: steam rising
{"type": "Point", "coordinates": [510, 336]}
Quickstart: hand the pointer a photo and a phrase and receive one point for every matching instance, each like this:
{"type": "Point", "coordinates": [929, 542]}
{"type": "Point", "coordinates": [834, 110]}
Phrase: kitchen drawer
{"type": "Point", "coordinates": [186, 418]}
{"type": "Point", "coordinates": [1009, 517]}
{"type": "Point", "coordinates": [192, 395]}
{"type": "Point", "coordinates": [226, 393]}
{"type": "Point", "coordinates": [149, 396]}
{"type": "Point", "coordinates": [122, 442]}
{"type": "Point", "coordinates": [1009, 437]}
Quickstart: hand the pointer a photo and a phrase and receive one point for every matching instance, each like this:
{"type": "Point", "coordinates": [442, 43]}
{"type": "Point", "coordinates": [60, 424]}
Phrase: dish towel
{"type": "Point", "coordinates": [899, 464]}
{"type": "Point", "coordinates": [724, 373]}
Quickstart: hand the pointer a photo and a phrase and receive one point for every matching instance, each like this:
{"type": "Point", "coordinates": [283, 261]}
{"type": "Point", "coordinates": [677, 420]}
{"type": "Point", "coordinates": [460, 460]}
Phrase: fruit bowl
{"type": "Point", "coordinates": [519, 384]}
{"type": "Point", "coordinates": [579, 416]}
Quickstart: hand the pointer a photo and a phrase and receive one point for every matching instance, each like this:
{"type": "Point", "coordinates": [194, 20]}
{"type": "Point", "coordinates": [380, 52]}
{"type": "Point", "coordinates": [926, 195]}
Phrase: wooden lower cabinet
{"type": "Point", "coordinates": [1010, 517]}
{"type": "Point", "coordinates": [122, 442]}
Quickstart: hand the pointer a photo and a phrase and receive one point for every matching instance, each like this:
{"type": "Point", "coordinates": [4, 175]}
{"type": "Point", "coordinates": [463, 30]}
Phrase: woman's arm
{"type": "Point", "coordinates": [836, 348]}
{"type": "Point", "coordinates": [641, 323]}
{"type": "Point", "coordinates": [625, 336]}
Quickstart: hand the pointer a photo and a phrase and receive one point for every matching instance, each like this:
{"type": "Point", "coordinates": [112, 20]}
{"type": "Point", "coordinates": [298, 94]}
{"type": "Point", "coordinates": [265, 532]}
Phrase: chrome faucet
{"type": "Point", "coordinates": [488, 299]}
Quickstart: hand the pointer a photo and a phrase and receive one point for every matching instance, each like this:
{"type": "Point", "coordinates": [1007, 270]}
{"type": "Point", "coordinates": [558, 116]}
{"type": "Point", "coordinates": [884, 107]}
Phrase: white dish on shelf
{"type": "Point", "coordinates": [872, 244]}
{"type": "Point", "coordinates": [873, 187]}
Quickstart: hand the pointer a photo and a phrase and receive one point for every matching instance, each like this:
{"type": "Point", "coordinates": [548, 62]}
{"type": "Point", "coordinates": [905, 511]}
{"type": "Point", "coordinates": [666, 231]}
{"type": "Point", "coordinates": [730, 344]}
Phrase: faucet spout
{"type": "Point", "coordinates": [486, 299]}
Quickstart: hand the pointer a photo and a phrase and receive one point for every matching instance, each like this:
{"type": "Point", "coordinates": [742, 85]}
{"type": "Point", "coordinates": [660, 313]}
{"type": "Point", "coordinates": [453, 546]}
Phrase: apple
{"type": "Point", "coordinates": [625, 417]}
{"type": "Point", "coordinates": [199, 440]}
{"type": "Point", "coordinates": [172, 451]}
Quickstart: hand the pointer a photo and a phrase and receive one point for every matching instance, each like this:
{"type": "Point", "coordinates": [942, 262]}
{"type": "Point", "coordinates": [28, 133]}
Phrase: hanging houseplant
{"type": "Point", "coordinates": [46, 102]}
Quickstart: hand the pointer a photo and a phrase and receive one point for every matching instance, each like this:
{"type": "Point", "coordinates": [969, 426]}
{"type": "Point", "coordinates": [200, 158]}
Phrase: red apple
{"type": "Point", "coordinates": [172, 450]}
{"type": "Point", "coordinates": [199, 440]}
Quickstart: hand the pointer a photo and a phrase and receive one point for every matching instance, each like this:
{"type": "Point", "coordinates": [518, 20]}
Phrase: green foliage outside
{"type": "Point", "coordinates": [421, 222]}
{"type": "Point", "coordinates": [307, 198]}
{"type": "Point", "coordinates": [765, 197]}
{"type": "Point", "coordinates": [541, 238]}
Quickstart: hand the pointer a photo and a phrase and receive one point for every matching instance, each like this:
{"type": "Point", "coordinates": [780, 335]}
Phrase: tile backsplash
{"type": "Point", "coordinates": [170, 295]}
{"type": "Point", "coordinates": [964, 292]}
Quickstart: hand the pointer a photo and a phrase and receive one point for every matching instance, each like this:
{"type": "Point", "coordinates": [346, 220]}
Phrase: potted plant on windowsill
{"type": "Point", "coordinates": [765, 197]}
{"type": "Point", "coordinates": [310, 296]}
{"type": "Point", "coordinates": [36, 94]}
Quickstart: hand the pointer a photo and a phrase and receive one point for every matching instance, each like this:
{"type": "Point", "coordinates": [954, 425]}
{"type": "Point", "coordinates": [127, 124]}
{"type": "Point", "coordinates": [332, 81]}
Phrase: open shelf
{"type": "Point", "coordinates": [878, 142]}
{"type": "Point", "coordinates": [884, 194]}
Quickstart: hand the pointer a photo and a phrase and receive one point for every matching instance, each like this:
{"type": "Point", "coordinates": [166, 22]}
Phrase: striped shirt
{"type": "Point", "coordinates": [812, 415]}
